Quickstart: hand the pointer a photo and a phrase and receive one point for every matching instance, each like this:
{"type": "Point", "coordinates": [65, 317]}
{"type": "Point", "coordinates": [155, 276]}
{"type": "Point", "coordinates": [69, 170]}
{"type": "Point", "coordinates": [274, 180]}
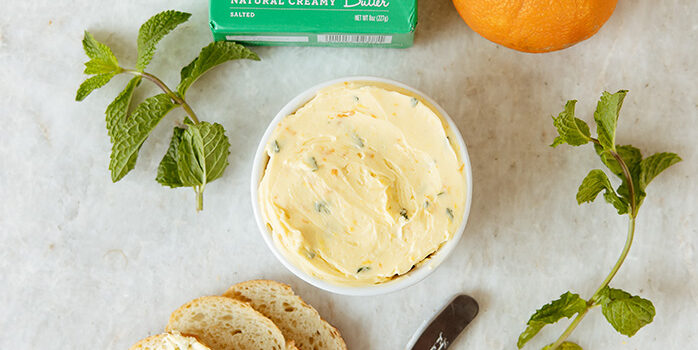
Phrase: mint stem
{"type": "Point", "coordinates": [628, 243]}
{"type": "Point", "coordinates": [180, 101]}
{"type": "Point", "coordinates": [621, 259]}
{"type": "Point", "coordinates": [176, 98]}
{"type": "Point", "coordinates": [594, 299]}
{"type": "Point", "coordinates": [199, 198]}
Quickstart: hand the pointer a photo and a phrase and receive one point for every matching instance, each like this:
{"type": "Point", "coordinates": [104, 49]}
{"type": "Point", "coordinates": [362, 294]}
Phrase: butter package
{"type": "Point", "coordinates": [342, 23]}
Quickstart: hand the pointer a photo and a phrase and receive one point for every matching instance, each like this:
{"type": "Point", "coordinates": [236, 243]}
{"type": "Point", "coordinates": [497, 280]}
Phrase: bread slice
{"type": "Point", "coordinates": [227, 324]}
{"type": "Point", "coordinates": [297, 320]}
{"type": "Point", "coordinates": [169, 341]}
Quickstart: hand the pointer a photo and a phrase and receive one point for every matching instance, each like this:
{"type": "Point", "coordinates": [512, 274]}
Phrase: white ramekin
{"type": "Point", "coordinates": [416, 274]}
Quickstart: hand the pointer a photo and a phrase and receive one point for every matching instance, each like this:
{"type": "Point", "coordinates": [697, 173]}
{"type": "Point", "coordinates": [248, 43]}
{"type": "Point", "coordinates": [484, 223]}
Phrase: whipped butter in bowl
{"type": "Point", "coordinates": [361, 186]}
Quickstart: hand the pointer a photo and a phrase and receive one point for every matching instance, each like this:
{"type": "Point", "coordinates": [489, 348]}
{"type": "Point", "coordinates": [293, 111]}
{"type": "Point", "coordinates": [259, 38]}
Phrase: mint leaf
{"type": "Point", "coordinates": [566, 306]}
{"type": "Point", "coordinates": [621, 204]}
{"type": "Point", "coordinates": [595, 182]}
{"type": "Point", "coordinates": [626, 313]}
{"type": "Point", "coordinates": [643, 172]}
{"type": "Point", "coordinates": [168, 174]}
{"type": "Point", "coordinates": [212, 55]}
{"type": "Point", "coordinates": [630, 155]}
{"type": "Point", "coordinates": [606, 117]}
{"type": "Point", "coordinates": [93, 83]}
{"type": "Point", "coordinates": [608, 294]}
{"type": "Point", "coordinates": [117, 111]}
{"type": "Point", "coordinates": [202, 154]}
{"type": "Point", "coordinates": [632, 158]}
{"type": "Point", "coordinates": [102, 59]}
{"type": "Point", "coordinates": [129, 137]}
{"type": "Point", "coordinates": [531, 330]}
{"type": "Point", "coordinates": [573, 131]}
{"type": "Point", "coordinates": [564, 346]}
{"type": "Point", "coordinates": [651, 166]}
{"type": "Point", "coordinates": [153, 30]}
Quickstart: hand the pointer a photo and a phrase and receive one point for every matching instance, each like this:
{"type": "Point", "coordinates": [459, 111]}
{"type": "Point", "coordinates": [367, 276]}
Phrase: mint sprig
{"type": "Point", "coordinates": [198, 152]}
{"type": "Point", "coordinates": [625, 312]}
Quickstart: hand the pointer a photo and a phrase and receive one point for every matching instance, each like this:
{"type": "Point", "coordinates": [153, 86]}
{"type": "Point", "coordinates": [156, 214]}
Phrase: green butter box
{"type": "Point", "coordinates": [343, 23]}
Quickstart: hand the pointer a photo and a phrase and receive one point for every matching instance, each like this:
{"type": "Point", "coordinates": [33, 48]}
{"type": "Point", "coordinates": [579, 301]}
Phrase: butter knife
{"type": "Point", "coordinates": [442, 330]}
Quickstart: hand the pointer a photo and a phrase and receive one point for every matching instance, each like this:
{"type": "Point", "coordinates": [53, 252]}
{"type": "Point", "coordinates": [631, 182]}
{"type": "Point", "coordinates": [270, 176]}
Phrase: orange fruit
{"type": "Point", "coordinates": [535, 25]}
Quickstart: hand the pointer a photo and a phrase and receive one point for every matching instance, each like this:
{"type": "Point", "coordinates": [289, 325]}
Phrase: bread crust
{"type": "Point", "coordinates": [156, 342]}
{"type": "Point", "coordinates": [302, 337]}
{"type": "Point", "coordinates": [227, 324]}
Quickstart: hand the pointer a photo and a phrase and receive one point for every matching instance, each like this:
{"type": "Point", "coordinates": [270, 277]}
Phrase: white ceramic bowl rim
{"type": "Point", "coordinates": [416, 274]}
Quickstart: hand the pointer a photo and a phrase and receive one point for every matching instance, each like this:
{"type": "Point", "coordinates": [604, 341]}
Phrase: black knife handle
{"type": "Point", "coordinates": [448, 324]}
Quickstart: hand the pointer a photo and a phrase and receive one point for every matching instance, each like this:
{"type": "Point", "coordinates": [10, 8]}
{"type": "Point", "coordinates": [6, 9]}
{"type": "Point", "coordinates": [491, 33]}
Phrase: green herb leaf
{"type": "Point", "coordinates": [566, 306]}
{"type": "Point", "coordinates": [571, 130]}
{"type": "Point", "coordinates": [449, 212]}
{"type": "Point", "coordinates": [102, 59]}
{"type": "Point", "coordinates": [606, 117]}
{"type": "Point", "coordinates": [595, 182]}
{"type": "Point", "coordinates": [626, 313]}
{"type": "Point", "coordinates": [117, 111]}
{"type": "Point", "coordinates": [212, 55]}
{"type": "Point", "coordinates": [608, 294]}
{"type": "Point", "coordinates": [531, 330]}
{"type": "Point", "coordinates": [357, 140]}
{"type": "Point", "coordinates": [630, 155]}
{"type": "Point", "coordinates": [93, 83]}
{"type": "Point", "coordinates": [651, 166]}
{"type": "Point", "coordinates": [153, 30]}
{"type": "Point", "coordinates": [322, 207]}
{"type": "Point", "coordinates": [403, 213]}
{"type": "Point", "coordinates": [564, 346]}
{"type": "Point", "coordinates": [621, 204]}
{"type": "Point", "coordinates": [643, 172]}
{"type": "Point", "coordinates": [312, 162]}
{"type": "Point", "coordinates": [202, 154]}
{"type": "Point", "coordinates": [309, 254]}
{"type": "Point", "coordinates": [129, 137]}
{"type": "Point", "coordinates": [168, 173]}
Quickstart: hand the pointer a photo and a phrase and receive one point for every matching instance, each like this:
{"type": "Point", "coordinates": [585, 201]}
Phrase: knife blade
{"type": "Point", "coordinates": [443, 329]}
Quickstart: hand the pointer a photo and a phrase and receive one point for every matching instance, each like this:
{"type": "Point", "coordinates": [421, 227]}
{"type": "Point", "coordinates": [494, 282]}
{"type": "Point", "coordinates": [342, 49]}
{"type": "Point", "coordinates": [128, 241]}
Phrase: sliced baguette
{"type": "Point", "coordinates": [297, 320]}
{"type": "Point", "coordinates": [227, 324]}
{"type": "Point", "coordinates": [169, 341]}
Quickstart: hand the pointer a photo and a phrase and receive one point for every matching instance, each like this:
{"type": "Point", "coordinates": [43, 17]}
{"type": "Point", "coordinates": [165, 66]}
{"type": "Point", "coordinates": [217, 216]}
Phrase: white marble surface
{"type": "Point", "coordinates": [87, 264]}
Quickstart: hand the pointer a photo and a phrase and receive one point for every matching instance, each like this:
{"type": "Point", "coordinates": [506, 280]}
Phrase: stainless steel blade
{"type": "Point", "coordinates": [443, 329]}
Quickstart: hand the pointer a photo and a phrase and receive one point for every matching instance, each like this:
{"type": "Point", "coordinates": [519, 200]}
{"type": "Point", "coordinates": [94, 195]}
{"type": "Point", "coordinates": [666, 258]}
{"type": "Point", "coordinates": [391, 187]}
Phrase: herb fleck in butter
{"type": "Point", "coordinates": [357, 140]}
{"type": "Point", "coordinates": [313, 164]}
{"type": "Point", "coordinates": [310, 254]}
{"type": "Point", "coordinates": [321, 207]}
{"type": "Point", "coordinates": [403, 213]}
{"type": "Point", "coordinates": [449, 212]}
